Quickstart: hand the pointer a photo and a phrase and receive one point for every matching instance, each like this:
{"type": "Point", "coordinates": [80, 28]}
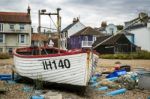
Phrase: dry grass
{"type": "Point", "coordinates": [6, 61]}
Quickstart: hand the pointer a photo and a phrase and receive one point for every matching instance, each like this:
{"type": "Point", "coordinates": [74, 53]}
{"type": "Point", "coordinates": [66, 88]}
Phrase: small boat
{"type": "Point", "coordinates": [73, 67]}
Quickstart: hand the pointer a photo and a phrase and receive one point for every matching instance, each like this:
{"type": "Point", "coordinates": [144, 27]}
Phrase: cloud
{"type": "Point", "coordinates": [13, 5]}
{"type": "Point", "coordinates": [91, 12]}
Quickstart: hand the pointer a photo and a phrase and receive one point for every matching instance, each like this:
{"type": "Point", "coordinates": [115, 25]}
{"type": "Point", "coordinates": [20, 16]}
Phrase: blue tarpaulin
{"type": "Point", "coordinates": [5, 76]}
{"type": "Point", "coordinates": [116, 73]}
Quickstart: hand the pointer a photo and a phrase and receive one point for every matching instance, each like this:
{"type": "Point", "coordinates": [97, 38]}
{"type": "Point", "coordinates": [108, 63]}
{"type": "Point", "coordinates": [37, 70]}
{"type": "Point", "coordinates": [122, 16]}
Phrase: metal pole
{"type": "Point", "coordinates": [39, 30]}
{"type": "Point", "coordinates": [39, 27]}
{"type": "Point", "coordinates": [58, 28]}
{"type": "Point", "coordinates": [60, 31]}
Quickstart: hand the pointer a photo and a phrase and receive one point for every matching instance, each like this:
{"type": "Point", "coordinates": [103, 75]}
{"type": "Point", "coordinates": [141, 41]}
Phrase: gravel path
{"type": "Point", "coordinates": [15, 90]}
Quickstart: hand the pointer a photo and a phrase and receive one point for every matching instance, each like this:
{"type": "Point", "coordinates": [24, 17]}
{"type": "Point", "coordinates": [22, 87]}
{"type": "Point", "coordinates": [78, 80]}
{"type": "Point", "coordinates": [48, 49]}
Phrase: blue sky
{"type": "Point", "coordinates": [90, 12]}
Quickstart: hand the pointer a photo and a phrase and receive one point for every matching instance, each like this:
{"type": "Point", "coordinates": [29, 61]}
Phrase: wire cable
{"type": "Point", "coordinates": [53, 21]}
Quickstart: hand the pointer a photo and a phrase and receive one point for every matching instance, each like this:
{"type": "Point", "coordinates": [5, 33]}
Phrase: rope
{"type": "Point", "coordinates": [53, 21]}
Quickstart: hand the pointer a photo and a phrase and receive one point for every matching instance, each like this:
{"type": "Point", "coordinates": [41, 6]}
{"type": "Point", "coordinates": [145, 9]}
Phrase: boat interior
{"type": "Point", "coordinates": [38, 51]}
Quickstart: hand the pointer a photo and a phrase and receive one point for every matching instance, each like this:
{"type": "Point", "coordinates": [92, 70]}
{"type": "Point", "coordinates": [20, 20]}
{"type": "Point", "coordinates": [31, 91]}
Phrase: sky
{"type": "Point", "coordinates": [90, 12]}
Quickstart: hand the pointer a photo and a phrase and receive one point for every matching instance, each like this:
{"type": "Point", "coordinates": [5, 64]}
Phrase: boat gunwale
{"type": "Point", "coordinates": [71, 52]}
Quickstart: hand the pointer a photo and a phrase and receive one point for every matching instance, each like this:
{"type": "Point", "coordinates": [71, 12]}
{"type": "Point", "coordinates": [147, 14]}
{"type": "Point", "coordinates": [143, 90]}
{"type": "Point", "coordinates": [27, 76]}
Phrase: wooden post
{"type": "Point", "coordinates": [13, 72]}
{"type": "Point", "coordinates": [42, 12]}
{"type": "Point", "coordinates": [58, 28]}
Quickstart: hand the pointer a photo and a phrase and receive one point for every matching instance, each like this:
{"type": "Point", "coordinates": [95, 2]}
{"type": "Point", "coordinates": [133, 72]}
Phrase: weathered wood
{"type": "Point", "coordinates": [68, 69]}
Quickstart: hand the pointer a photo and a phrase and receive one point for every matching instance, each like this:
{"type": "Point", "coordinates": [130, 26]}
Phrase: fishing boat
{"type": "Point", "coordinates": [73, 67]}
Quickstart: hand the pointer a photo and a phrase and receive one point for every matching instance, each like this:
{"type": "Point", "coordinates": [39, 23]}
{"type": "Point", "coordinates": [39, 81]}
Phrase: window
{"type": "Point", "coordinates": [22, 38]}
{"type": "Point", "coordinates": [86, 38]}
{"type": "Point", "coordinates": [65, 35]}
{"type": "Point", "coordinates": [10, 50]}
{"type": "Point", "coordinates": [21, 26]}
{"type": "Point", "coordinates": [111, 30]}
{"type": "Point", "coordinates": [11, 26]}
{"type": "Point", "coordinates": [1, 27]}
{"type": "Point", "coordinates": [94, 38]}
{"type": "Point", "coordinates": [1, 38]}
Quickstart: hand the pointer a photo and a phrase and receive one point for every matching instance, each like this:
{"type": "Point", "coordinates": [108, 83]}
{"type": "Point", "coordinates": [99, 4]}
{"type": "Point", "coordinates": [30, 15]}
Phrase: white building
{"type": "Point", "coordinates": [15, 30]}
{"type": "Point", "coordinates": [111, 29]}
{"type": "Point", "coordinates": [141, 33]}
{"type": "Point", "coordinates": [71, 29]}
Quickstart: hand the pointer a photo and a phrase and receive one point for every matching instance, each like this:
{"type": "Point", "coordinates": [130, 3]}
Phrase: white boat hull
{"type": "Point", "coordinates": [75, 69]}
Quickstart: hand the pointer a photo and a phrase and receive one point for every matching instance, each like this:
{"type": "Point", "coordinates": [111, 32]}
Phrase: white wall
{"type": "Point", "coordinates": [148, 25]}
{"type": "Point", "coordinates": [12, 36]}
{"type": "Point", "coordinates": [27, 28]}
{"type": "Point", "coordinates": [130, 38]}
{"type": "Point", "coordinates": [74, 29]}
{"type": "Point", "coordinates": [142, 38]}
{"type": "Point", "coordinates": [111, 28]}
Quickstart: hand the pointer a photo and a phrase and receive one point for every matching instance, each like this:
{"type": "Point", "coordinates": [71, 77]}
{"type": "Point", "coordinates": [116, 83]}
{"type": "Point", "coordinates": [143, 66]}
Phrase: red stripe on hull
{"type": "Point", "coordinates": [62, 52]}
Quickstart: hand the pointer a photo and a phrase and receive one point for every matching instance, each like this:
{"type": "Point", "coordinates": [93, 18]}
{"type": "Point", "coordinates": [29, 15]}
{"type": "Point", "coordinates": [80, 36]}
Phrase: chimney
{"type": "Point", "coordinates": [74, 20]}
{"type": "Point", "coordinates": [77, 19]}
{"type": "Point", "coordinates": [104, 24]}
{"type": "Point", "coordinates": [28, 10]}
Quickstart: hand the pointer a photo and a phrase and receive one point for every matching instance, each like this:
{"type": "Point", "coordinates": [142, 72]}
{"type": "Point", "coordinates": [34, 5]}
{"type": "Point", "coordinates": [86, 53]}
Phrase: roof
{"type": "Point", "coordinates": [68, 27]}
{"type": "Point", "coordinates": [54, 36]}
{"type": "Point", "coordinates": [129, 22]}
{"type": "Point", "coordinates": [113, 39]}
{"type": "Point", "coordinates": [39, 37]}
{"type": "Point", "coordinates": [88, 31]}
{"type": "Point", "coordinates": [108, 40]}
{"type": "Point", "coordinates": [136, 26]}
{"type": "Point", "coordinates": [100, 29]}
{"type": "Point", "coordinates": [15, 17]}
{"type": "Point", "coordinates": [100, 39]}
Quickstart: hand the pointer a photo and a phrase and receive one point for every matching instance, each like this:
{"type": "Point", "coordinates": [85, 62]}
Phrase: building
{"type": "Point", "coordinates": [129, 35]}
{"type": "Point", "coordinates": [118, 43]}
{"type": "Point", "coordinates": [46, 40]}
{"type": "Point", "coordinates": [15, 30]}
{"type": "Point", "coordinates": [84, 38]}
{"type": "Point", "coordinates": [71, 29]}
{"type": "Point", "coordinates": [141, 31]}
{"type": "Point", "coordinates": [38, 39]}
{"type": "Point", "coordinates": [109, 29]}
